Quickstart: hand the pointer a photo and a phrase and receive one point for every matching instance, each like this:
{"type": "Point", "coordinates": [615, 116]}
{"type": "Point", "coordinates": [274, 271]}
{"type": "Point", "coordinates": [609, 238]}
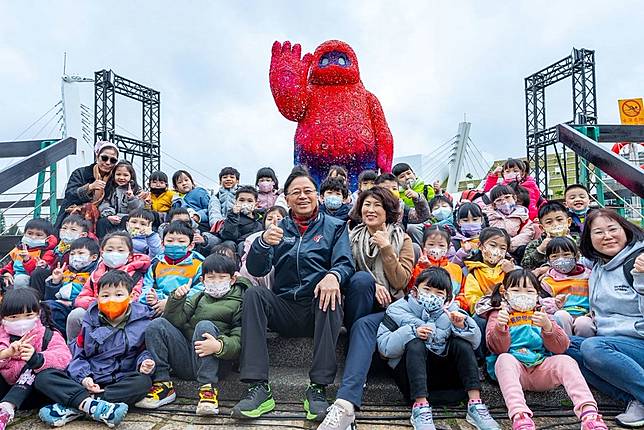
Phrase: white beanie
{"type": "Point", "coordinates": [102, 144]}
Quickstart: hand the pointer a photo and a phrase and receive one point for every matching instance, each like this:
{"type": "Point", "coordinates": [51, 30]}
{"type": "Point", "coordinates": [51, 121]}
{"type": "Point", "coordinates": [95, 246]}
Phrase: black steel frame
{"type": "Point", "coordinates": [541, 140]}
{"type": "Point", "coordinates": [106, 85]}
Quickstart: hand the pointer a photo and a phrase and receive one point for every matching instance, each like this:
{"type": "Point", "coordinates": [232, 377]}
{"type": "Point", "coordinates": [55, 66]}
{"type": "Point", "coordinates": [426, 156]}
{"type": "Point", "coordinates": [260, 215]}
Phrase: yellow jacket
{"type": "Point", "coordinates": [162, 202]}
{"type": "Point", "coordinates": [480, 281]}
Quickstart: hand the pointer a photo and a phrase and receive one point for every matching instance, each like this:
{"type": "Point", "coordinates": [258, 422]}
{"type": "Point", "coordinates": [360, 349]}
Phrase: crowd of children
{"type": "Point", "coordinates": [156, 285]}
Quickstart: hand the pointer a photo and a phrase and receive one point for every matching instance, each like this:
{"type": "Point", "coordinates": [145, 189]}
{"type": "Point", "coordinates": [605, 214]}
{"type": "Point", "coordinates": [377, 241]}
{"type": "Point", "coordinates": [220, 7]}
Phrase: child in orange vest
{"type": "Point", "coordinates": [435, 246]}
{"type": "Point", "coordinates": [567, 282]}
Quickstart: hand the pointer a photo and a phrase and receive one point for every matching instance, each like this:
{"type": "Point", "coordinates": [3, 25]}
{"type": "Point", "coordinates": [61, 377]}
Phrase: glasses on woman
{"type": "Point", "coordinates": [107, 158]}
{"type": "Point", "coordinates": [601, 233]}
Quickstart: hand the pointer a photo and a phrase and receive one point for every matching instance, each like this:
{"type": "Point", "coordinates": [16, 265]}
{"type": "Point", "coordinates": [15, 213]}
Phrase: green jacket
{"type": "Point", "coordinates": [532, 258]}
{"type": "Point", "coordinates": [420, 188]}
{"type": "Point", "coordinates": [224, 312]}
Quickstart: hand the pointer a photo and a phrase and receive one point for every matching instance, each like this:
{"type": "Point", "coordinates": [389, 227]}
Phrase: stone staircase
{"type": "Point", "coordinates": [290, 359]}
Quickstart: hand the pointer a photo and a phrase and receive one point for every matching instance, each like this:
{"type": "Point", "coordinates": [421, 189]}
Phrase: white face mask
{"type": "Point", "coordinates": [216, 289]}
{"type": "Point", "coordinates": [522, 302]}
{"type": "Point", "coordinates": [68, 236]}
{"type": "Point", "coordinates": [19, 327]}
{"type": "Point", "coordinates": [77, 262]}
{"type": "Point", "coordinates": [114, 259]}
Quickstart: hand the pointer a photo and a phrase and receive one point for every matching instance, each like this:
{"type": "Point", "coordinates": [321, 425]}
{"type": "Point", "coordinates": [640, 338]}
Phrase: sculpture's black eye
{"type": "Point", "coordinates": [324, 61]}
{"type": "Point", "coordinates": [342, 61]}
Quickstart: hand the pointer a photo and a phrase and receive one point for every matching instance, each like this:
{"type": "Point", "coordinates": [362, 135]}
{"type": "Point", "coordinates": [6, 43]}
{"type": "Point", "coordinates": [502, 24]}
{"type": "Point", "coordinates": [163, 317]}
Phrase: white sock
{"type": "Point", "coordinates": [347, 406]}
{"type": "Point", "coordinates": [8, 408]}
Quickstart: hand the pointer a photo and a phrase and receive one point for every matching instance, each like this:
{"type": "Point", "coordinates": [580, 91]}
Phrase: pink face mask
{"type": "Point", "coordinates": [512, 176]}
{"type": "Point", "coordinates": [265, 187]}
{"type": "Point", "coordinates": [19, 327]}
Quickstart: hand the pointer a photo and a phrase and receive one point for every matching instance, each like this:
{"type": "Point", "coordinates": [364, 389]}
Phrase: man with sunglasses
{"type": "Point", "coordinates": [86, 185]}
{"type": "Point", "coordinates": [312, 258]}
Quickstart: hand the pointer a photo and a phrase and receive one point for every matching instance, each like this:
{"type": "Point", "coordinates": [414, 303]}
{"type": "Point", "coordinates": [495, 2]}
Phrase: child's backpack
{"type": "Point", "coordinates": [473, 195]}
{"type": "Point", "coordinates": [629, 263]}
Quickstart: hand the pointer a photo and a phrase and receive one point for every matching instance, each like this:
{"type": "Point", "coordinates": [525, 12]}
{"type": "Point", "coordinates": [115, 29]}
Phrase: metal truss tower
{"type": "Point", "coordinates": [106, 85]}
{"type": "Point", "coordinates": [541, 140]}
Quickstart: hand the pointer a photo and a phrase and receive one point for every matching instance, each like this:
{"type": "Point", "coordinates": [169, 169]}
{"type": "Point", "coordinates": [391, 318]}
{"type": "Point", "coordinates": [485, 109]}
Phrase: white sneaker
{"type": "Point", "coordinates": [338, 418]}
{"type": "Point", "coordinates": [633, 416]}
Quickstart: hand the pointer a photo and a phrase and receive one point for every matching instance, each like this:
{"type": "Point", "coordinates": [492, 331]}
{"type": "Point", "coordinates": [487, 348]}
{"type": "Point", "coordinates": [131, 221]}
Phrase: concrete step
{"type": "Point", "coordinates": [290, 359]}
{"type": "Point", "coordinates": [288, 385]}
{"type": "Point", "coordinates": [298, 351]}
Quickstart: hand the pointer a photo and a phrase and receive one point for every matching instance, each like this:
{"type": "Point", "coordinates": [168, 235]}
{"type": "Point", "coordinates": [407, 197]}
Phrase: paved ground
{"type": "Point", "coordinates": [289, 417]}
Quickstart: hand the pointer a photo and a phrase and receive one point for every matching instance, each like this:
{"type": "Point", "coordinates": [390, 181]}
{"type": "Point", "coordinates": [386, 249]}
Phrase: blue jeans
{"type": "Point", "coordinates": [362, 344]}
{"type": "Point", "coordinates": [359, 298]}
{"type": "Point", "coordinates": [618, 359]}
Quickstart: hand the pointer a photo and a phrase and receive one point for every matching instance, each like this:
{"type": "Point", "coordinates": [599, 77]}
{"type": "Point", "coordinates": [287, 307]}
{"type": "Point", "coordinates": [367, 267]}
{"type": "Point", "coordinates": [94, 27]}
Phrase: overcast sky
{"type": "Point", "coordinates": [429, 63]}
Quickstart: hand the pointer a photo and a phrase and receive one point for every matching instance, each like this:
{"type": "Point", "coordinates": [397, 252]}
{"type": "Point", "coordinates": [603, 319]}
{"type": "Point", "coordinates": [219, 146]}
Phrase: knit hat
{"type": "Point", "coordinates": [103, 144]}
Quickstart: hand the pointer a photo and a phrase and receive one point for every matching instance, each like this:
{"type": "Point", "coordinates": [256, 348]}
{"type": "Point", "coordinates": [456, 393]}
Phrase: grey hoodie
{"type": "Point", "coordinates": [617, 307]}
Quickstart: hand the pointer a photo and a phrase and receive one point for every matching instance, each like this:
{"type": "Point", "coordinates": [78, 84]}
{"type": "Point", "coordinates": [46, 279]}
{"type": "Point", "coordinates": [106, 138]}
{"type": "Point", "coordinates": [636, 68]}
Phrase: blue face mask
{"type": "Point", "coordinates": [33, 243]}
{"type": "Point", "coordinates": [442, 213]}
{"type": "Point", "coordinates": [174, 252]}
{"type": "Point", "coordinates": [333, 202]}
{"type": "Point", "coordinates": [580, 212]}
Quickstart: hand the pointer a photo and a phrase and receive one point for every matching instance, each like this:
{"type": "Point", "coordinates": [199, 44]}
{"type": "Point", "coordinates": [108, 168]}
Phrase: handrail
{"type": "Point", "coordinates": [632, 177]}
{"type": "Point", "coordinates": [605, 184]}
{"type": "Point", "coordinates": [23, 197]}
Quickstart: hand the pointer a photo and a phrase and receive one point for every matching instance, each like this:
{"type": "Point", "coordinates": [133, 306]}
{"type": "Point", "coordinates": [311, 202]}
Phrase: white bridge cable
{"type": "Point", "coordinates": [38, 120]}
{"type": "Point", "coordinates": [488, 164]}
{"type": "Point", "coordinates": [190, 168]}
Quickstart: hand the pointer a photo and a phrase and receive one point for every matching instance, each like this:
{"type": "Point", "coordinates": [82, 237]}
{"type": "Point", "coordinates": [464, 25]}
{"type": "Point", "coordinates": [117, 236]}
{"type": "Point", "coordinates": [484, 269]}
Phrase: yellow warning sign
{"type": "Point", "coordinates": [631, 112]}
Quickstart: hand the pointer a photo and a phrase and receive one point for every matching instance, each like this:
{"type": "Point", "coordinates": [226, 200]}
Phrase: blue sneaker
{"type": "Point", "coordinates": [422, 418]}
{"type": "Point", "coordinates": [109, 413]}
{"type": "Point", "coordinates": [479, 417]}
{"type": "Point", "coordinates": [57, 415]}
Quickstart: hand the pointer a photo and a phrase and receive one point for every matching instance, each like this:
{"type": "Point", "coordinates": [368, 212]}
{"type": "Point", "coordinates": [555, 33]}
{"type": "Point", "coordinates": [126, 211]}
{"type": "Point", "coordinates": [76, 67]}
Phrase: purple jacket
{"type": "Point", "coordinates": [106, 353]}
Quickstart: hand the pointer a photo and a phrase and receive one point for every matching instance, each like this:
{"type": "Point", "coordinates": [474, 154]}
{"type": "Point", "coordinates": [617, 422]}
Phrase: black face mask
{"type": "Point", "coordinates": [158, 191]}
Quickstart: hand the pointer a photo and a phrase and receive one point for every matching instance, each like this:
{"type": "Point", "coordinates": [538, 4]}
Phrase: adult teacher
{"type": "Point", "coordinates": [384, 258]}
{"type": "Point", "coordinates": [613, 361]}
{"type": "Point", "coordinates": [310, 254]}
{"type": "Point", "coordinates": [87, 184]}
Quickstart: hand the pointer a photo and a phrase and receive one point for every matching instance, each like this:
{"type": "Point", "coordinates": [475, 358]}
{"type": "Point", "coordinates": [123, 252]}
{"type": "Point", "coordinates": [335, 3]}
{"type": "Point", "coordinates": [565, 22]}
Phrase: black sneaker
{"type": "Point", "coordinates": [315, 403]}
{"type": "Point", "coordinates": [258, 401]}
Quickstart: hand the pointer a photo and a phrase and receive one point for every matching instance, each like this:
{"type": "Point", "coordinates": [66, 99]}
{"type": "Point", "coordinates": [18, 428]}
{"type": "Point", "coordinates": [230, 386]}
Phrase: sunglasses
{"type": "Point", "coordinates": [106, 158]}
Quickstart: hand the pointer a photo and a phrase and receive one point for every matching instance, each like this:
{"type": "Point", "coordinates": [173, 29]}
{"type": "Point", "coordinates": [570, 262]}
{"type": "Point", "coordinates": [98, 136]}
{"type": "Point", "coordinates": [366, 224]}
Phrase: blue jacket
{"type": "Point", "coordinates": [301, 261]}
{"type": "Point", "coordinates": [165, 277]}
{"type": "Point", "coordinates": [197, 199]}
{"type": "Point", "coordinates": [405, 315]}
{"type": "Point", "coordinates": [341, 213]}
{"type": "Point", "coordinates": [106, 353]}
{"type": "Point", "coordinates": [150, 245]}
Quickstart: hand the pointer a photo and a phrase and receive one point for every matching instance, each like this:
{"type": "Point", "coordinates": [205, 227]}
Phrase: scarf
{"type": "Point", "coordinates": [302, 223]}
{"type": "Point", "coordinates": [367, 254]}
{"type": "Point", "coordinates": [98, 195]}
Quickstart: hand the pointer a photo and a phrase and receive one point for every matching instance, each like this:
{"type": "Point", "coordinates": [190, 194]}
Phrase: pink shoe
{"type": "Point", "coordinates": [523, 422]}
{"type": "Point", "coordinates": [593, 422]}
{"type": "Point", "coordinates": [5, 417]}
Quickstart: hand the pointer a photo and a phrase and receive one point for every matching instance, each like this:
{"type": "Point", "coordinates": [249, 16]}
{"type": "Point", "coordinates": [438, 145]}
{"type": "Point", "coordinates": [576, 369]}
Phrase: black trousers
{"type": "Point", "coordinates": [263, 309]}
{"type": "Point", "coordinates": [421, 371]}
{"type": "Point", "coordinates": [104, 226]}
{"type": "Point", "coordinates": [37, 280]}
{"type": "Point", "coordinates": [22, 395]}
{"type": "Point", "coordinates": [58, 386]}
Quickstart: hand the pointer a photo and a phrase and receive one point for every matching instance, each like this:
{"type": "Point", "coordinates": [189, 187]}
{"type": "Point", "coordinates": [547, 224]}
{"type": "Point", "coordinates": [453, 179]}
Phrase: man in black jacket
{"type": "Point", "coordinates": [311, 255]}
